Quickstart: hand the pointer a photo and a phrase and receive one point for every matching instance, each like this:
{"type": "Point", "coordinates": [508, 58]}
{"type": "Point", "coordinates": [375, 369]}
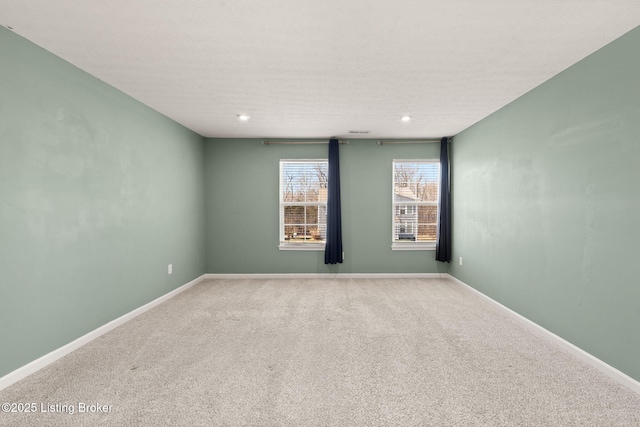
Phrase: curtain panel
{"type": "Point", "coordinates": [333, 247]}
{"type": "Point", "coordinates": [443, 240]}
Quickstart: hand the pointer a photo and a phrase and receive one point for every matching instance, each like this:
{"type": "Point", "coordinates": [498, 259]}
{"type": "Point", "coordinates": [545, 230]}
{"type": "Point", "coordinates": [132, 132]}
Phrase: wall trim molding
{"type": "Point", "coordinates": [574, 350]}
{"type": "Point", "coordinates": [328, 276]}
{"type": "Point", "coordinates": [47, 359]}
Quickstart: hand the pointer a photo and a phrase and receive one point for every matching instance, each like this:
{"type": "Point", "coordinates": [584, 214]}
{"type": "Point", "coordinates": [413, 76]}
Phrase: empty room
{"type": "Point", "coordinates": [337, 213]}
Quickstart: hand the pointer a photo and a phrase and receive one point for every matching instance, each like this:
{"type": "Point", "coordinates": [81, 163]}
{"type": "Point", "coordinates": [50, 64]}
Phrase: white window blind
{"type": "Point", "coordinates": [303, 204]}
{"type": "Point", "coordinates": [416, 186]}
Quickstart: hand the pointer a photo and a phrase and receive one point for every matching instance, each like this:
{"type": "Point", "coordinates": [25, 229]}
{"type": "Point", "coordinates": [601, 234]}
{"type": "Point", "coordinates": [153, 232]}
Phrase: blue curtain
{"type": "Point", "coordinates": [333, 247]}
{"type": "Point", "coordinates": [443, 242]}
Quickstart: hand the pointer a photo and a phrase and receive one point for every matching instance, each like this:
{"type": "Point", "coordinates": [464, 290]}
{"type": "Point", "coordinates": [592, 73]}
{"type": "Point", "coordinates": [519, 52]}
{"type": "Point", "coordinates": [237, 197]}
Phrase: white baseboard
{"type": "Point", "coordinates": [330, 276]}
{"type": "Point", "coordinates": [36, 365]}
{"type": "Point", "coordinates": [588, 358]}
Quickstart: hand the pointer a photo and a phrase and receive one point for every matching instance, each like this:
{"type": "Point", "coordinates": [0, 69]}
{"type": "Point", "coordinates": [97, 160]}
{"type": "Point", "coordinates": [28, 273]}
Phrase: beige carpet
{"type": "Point", "coordinates": [356, 352]}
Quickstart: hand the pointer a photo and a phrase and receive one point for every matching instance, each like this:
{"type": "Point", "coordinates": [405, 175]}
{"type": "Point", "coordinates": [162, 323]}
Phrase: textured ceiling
{"type": "Point", "coordinates": [320, 68]}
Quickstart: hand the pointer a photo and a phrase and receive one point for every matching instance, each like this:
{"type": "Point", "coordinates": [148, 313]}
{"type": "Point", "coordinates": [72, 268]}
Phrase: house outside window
{"type": "Point", "coordinates": [416, 186]}
{"type": "Point", "coordinates": [303, 204]}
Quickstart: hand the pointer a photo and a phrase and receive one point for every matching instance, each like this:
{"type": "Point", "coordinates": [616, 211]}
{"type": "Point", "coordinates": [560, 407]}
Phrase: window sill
{"type": "Point", "coordinates": [413, 247]}
{"type": "Point", "coordinates": [301, 246]}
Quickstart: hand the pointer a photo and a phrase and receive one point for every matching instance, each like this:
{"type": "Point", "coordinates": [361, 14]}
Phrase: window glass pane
{"type": "Point", "coordinates": [428, 191]}
{"type": "Point", "coordinates": [311, 215]}
{"type": "Point", "coordinates": [303, 183]}
{"type": "Point", "coordinates": [405, 192]}
{"type": "Point", "coordinates": [404, 232]}
{"type": "Point", "coordinates": [293, 215]}
{"type": "Point", "coordinates": [289, 230]}
{"type": "Point", "coordinates": [415, 198]}
{"type": "Point", "coordinates": [404, 173]}
{"type": "Point", "coordinates": [428, 214]}
{"type": "Point", "coordinates": [313, 194]}
{"type": "Point", "coordinates": [427, 232]}
{"type": "Point", "coordinates": [323, 194]}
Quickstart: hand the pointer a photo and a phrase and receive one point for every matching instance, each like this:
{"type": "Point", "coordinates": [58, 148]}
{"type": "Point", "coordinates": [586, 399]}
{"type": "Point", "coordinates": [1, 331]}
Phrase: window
{"type": "Point", "coordinates": [303, 204]}
{"type": "Point", "coordinates": [416, 186]}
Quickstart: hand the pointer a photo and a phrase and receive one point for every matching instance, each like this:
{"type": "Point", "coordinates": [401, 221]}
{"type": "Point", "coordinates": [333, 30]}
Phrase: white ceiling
{"type": "Point", "coordinates": [320, 68]}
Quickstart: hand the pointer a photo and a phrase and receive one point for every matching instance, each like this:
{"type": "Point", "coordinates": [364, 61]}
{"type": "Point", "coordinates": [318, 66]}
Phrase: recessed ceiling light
{"type": "Point", "coordinates": [406, 118]}
{"type": "Point", "coordinates": [243, 117]}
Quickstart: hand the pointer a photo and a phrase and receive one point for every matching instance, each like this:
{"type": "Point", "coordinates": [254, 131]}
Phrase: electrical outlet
{"type": "Point", "coordinates": [170, 269]}
{"type": "Point", "coordinates": [460, 260]}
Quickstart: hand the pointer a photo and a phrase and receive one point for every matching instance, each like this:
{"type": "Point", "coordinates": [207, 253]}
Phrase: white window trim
{"type": "Point", "coordinates": [296, 246]}
{"type": "Point", "coordinates": [409, 246]}
{"type": "Point", "coordinates": [301, 246]}
{"type": "Point", "coordinates": [413, 246]}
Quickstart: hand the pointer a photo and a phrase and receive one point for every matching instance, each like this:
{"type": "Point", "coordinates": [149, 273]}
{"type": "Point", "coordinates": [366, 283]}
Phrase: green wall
{"type": "Point", "coordinates": [242, 208]}
{"type": "Point", "coordinates": [546, 202]}
{"type": "Point", "coordinates": [98, 193]}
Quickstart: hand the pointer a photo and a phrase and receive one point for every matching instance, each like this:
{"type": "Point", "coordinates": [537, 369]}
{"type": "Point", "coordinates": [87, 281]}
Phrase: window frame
{"type": "Point", "coordinates": [296, 246]}
{"type": "Point", "coordinates": [395, 207]}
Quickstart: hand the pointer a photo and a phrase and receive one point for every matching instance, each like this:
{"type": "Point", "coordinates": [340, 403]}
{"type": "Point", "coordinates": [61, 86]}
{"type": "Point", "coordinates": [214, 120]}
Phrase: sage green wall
{"type": "Point", "coordinates": [546, 202]}
{"type": "Point", "coordinates": [98, 193]}
{"type": "Point", "coordinates": [242, 208]}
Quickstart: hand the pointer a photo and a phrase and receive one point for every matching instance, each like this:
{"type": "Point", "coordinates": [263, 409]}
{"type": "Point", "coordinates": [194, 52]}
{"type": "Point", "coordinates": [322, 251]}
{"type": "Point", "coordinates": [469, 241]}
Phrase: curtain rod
{"type": "Point", "coordinates": [346, 141]}
{"type": "Point", "coordinates": [309, 141]}
{"type": "Point", "coordinates": [408, 141]}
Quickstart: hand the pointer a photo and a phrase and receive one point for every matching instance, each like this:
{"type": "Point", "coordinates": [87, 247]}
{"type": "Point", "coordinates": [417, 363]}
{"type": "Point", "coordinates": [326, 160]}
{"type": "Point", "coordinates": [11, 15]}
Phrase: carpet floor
{"type": "Point", "coordinates": [322, 352]}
